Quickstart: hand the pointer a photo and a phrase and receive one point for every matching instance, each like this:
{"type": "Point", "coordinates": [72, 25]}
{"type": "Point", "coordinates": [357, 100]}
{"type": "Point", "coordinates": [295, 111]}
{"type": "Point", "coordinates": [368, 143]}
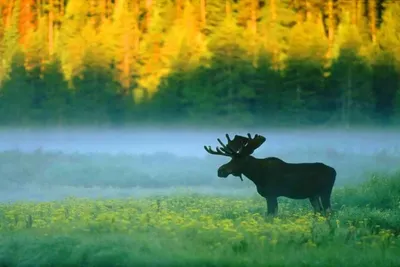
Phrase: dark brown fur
{"type": "Point", "coordinates": [274, 177]}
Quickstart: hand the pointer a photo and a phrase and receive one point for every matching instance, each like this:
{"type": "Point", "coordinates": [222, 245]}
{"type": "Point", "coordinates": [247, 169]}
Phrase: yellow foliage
{"type": "Point", "coordinates": [215, 221]}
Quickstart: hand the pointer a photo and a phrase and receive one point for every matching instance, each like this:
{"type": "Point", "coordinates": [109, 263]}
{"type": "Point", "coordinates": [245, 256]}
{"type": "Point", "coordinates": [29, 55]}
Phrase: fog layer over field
{"type": "Point", "coordinates": [53, 164]}
{"type": "Point", "coordinates": [191, 142]}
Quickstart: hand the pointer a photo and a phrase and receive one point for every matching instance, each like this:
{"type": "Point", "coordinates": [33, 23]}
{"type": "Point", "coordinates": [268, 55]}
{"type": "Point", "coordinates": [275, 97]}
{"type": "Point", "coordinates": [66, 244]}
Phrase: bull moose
{"type": "Point", "coordinates": [274, 177]}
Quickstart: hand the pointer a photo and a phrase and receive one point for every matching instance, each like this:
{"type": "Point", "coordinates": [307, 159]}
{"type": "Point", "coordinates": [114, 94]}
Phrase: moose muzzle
{"type": "Point", "coordinates": [223, 172]}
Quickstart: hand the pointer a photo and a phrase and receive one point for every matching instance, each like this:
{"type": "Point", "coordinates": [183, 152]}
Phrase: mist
{"type": "Point", "coordinates": [52, 164]}
{"type": "Point", "coordinates": [190, 142]}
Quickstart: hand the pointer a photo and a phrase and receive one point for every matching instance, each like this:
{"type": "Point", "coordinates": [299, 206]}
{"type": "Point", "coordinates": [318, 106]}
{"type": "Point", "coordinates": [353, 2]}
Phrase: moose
{"type": "Point", "coordinates": [274, 177]}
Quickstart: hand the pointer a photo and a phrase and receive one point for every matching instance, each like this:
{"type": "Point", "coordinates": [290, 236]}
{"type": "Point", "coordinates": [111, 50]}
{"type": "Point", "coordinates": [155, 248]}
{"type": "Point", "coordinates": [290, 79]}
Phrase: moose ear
{"type": "Point", "coordinates": [254, 143]}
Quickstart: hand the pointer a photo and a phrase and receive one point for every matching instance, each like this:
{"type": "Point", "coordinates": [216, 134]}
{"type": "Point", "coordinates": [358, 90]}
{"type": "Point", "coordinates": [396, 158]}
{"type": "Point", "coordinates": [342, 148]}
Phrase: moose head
{"type": "Point", "coordinates": [239, 149]}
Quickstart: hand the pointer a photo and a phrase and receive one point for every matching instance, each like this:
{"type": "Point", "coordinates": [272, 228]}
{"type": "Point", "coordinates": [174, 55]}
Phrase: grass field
{"type": "Point", "coordinates": [224, 226]}
{"type": "Point", "coordinates": [197, 230]}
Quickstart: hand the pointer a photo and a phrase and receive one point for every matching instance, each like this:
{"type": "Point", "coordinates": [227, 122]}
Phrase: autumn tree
{"type": "Point", "coordinates": [125, 43]}
{"type": "Point", "coordinates": [290, 62]}
{"type": "Point", "coordinates": [36, 50]}
{"type": "Point", "coordinates": [72, 40]}
{"type": "Point", "coordinates": [10, 41]}
{"type": "Point", "coordinates": [153, 63]}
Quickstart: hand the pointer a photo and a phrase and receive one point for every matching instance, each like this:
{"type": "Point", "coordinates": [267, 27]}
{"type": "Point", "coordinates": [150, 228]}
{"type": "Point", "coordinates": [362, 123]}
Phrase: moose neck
{"type": "Point", "coordinates": [252, 168]}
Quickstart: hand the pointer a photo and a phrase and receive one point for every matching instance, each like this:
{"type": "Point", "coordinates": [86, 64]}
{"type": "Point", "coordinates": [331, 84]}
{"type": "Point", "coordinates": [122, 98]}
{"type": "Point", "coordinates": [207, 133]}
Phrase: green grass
{"type": "Point", "coordinates": [25, 249]}
{"type": "Point", "coordinates": [199, 230]}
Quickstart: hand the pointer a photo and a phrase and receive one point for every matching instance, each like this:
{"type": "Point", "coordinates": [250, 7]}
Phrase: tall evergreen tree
{"type": "Point", "coordinates": [387, 63]}
{"type": "Point", "coordinates": [17, 94]}
{"type": "Point", "coordinates": [229, 70]}
{"type": "Point", "coordinates": [304, 72]}
{"type": "Point", "coordinates": [54, 95]}
{"type": "Point", "coordinates": [214, 60]}
{"type": "Point", "coordinates": [350, 76]}
{"type": "Point", "coordinates": [267, 83]}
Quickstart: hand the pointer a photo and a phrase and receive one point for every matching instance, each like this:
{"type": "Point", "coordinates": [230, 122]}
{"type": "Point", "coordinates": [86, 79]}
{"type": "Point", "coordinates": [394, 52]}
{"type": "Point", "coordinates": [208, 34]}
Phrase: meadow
{"type": "Point", "coordinates": [162, 209]}
{"type": "Point", "coordinates": [198, 230]}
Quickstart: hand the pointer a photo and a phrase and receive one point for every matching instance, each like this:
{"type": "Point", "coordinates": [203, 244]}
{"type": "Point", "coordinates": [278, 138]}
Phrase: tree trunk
{"type": "Point", "coordinates": [9, 13]}
{"type": "Point", "coordinates": [308, 10]}
{"type": "Point", "coordinates": [372, 18]}
{"type": "Point", "coordinates": [353, 12]}
{"type": "Point", "coordinates": [298, 103]}
{"type": "Point", "coordinates": [347, 99]}
{"type": "Point", "coordinates": [51, 28]}
{"type": "Point", "coordinates": [126, 66]}
{"type": "Point", "coordinates": [148, 13]}
{"type": "Point", "coordinates": [331, 28]}
{"type": "Point", "coordinates": [178, 6]}
{"type": "Point", "coordinates": [275, 48]}
{"type": "Point", "coordinates": [253, 16]}
{"type": "Point", "coordinates": [360, 11]}
{"type": "Point", "coordinates": [62, 8]}
{"type": "Point", "coordinates": [203, 13]}
{"type": "Point", "coordinates": [228, 7]}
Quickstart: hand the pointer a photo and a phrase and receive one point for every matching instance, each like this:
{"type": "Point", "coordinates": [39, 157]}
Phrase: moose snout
{"type": "Point", "coordinates": [223, 173]}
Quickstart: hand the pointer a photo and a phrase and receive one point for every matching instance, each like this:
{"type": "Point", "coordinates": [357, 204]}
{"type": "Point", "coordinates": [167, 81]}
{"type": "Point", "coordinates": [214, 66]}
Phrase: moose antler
{"type": "Point", "coordinates": [237, 143]}
{"type": "Point", "coordinates": [230, 149]}
{"type": "Point", "coordinates": [218, 151]}
{"type": "Point", "coordinates": [239, 146]}
{"type": "Point", "coordinates": [252, 144]}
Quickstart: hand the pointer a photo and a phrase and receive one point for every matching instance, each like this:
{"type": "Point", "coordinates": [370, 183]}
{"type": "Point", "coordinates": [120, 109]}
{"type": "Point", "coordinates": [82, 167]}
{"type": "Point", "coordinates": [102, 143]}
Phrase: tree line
{"type": "Point", "coordinates": [247, 62]}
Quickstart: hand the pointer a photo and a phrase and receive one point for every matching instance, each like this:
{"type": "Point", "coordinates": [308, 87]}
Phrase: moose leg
{"type": "Point", "coordinates": [316, 204]}
{"type": "Point", "coordinates": [326, 203]}
{"type": "Point", "coordinates": [272, 206]}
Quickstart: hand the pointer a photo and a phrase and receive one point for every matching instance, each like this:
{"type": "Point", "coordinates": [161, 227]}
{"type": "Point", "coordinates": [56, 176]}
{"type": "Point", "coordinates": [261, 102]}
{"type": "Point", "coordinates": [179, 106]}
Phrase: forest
{"type": "Point", "coordinates": [203, 62]}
